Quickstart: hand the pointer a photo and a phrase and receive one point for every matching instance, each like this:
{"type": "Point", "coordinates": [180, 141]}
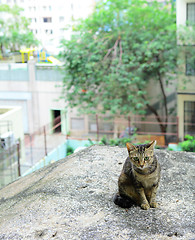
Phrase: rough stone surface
{"type": "Point", "coordinates": [72, 199]}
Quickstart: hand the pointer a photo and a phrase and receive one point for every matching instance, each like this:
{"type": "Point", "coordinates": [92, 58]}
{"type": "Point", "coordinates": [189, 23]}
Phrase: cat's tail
{"type": "Point", "coordinates": [123, 202]}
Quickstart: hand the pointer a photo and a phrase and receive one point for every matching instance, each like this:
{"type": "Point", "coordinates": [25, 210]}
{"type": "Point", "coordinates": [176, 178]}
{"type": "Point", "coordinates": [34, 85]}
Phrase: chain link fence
{"type": "Point", "coordinates": [9, 163]}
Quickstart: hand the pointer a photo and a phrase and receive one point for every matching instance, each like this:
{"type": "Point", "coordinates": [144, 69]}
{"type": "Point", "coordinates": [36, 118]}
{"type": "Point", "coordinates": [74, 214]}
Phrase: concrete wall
{"type": "Point", "coordinates": [37, 97]}
{"type": "Point", "coordinates": [14, 116]}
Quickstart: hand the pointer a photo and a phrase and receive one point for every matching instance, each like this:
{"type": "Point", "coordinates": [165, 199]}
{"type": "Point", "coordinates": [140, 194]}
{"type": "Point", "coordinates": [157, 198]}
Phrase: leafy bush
{"type": "Point", "coordinates": [70, 150]}
{"type": "Point", "coordinates": [115, 142]}
{"type": "Point", "coordinates": [90, 143]}
{"type": "Point", "coordinates": [188, 144]}
{"type": "Point", "coordinates": [121, 141]}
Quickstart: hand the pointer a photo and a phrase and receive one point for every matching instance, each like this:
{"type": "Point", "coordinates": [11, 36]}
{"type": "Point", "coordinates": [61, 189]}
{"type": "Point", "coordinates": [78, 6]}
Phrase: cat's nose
{"type": "Point", "coordinates": [141, 166]}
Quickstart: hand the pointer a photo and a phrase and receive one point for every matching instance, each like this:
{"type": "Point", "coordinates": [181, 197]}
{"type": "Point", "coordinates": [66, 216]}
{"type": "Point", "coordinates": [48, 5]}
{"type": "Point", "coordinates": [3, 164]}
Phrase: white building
{"type": "Point", "coordinates": [49, 19]}
{"type": "Point", "coordinates": [186, 82]}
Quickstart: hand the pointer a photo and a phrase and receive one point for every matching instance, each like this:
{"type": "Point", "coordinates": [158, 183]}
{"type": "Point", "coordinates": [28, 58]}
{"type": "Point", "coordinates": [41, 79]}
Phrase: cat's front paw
{"type": "Point", "coordinates": [145, 206]}
{"type": "Point", "coordinates": [153, 204]}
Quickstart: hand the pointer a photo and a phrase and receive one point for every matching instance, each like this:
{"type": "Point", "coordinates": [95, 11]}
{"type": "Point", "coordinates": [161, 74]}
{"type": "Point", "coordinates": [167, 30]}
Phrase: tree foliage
{"type": "Point", "coordinates": [115, 53]}
{"type": "Point", "coordinates": [14, 31]}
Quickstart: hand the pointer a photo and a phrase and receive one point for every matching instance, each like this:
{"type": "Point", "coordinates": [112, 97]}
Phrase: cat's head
{"type": "Point", "coordinates": [141, 155]}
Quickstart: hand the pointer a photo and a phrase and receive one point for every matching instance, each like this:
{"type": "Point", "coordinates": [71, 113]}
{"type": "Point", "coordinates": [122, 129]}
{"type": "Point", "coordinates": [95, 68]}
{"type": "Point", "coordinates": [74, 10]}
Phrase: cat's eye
{"type": "Point", "coordinates": [146, 158]}
{"type": "Point", "coordinates": [136, 159]}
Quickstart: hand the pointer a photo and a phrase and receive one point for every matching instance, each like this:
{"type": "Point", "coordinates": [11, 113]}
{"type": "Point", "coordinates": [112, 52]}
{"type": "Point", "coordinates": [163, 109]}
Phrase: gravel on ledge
{"type": "Point", "coordinates": [72, 199]}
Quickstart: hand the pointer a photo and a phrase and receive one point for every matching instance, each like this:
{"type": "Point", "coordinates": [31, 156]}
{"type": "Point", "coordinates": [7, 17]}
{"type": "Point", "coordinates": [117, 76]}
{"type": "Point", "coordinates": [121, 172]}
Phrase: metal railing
{"type": "Point", "coordinates": [127, 126]}
{"type": "Point", "coordinates": [9, 164]}
{"type": "Point", "coordinates": [44, 140]}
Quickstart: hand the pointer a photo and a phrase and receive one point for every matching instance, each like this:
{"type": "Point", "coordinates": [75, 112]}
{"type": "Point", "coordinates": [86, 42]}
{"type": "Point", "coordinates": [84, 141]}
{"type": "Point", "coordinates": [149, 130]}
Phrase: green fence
{"type": "Point", "coordinates": [14, 72]}
{"type": "Point", "coordinates": [57, 154]}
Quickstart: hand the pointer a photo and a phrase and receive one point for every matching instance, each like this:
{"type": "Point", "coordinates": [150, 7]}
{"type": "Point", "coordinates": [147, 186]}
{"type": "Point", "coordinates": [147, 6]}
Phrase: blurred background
{"type": "Point", "coordinates": [76, 73]}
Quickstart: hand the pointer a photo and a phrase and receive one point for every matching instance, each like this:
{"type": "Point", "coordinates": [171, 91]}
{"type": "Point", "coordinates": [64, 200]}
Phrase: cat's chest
{"type": "Point", "coordinates": [147, 181]}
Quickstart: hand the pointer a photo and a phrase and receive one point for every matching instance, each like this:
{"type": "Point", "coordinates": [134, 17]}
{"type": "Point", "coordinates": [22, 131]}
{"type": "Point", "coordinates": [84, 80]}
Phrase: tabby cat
{"type": "Point", "coordinates": [139, 178]}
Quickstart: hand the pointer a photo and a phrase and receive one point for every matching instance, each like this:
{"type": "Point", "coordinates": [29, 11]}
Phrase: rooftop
{"type": "Point", "coordinates": [72, 199]}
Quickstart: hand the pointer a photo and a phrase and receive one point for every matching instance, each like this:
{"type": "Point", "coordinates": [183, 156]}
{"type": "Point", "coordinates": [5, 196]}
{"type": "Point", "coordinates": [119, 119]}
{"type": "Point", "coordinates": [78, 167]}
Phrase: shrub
{"type": "Point", "coordinates": [69, 150]}
{"type": "Point", "coordinates": [121, 141]}
{"type": "Point", "coordinates": [115, 142]}
{"type": "Point", "coordinates": [188, 144]}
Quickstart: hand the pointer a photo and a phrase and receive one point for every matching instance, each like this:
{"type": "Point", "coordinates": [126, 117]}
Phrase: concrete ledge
{"type": "Point", "coordinates": [72, 199]}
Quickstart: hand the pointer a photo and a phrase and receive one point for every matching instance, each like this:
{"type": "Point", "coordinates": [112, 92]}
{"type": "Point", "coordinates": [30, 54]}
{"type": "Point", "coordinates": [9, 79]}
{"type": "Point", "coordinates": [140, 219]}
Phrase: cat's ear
{"type": "Point", "coordinates": [130, 147]}
{"type": "Point", "coordinates": [151, 145]}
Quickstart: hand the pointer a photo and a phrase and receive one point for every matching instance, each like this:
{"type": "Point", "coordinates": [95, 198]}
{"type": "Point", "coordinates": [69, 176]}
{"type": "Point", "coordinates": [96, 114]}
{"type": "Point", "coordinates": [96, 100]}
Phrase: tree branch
{"type": "Point", "coordinates": [153, 110]}
{"type": "Point", "coordinates": [164, 95]}
{"type": "Point", "coordinates": [121, 52]}
{"type": "Point", "coordinates": [109, 50]}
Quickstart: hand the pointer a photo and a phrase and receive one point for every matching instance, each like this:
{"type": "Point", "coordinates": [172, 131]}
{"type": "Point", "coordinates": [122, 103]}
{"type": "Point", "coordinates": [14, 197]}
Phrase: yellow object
{"type": "Point", "coordinates": [42, 56]}
{"type": "Point", "coordinates": [29, 51]}
{"type": "Point", "coordinates": [53, 60]}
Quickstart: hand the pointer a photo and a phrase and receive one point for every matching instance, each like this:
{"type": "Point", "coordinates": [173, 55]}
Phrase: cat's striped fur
{"type": "Point", "coordinates": [139, 178]}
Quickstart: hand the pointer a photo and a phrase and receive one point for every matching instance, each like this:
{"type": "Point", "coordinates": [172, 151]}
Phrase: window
{"type": "Point", "coordinates": [190, 13]}
{"type": "Point", "coordinates": [48, 31]}
{"type": "Point", "coordinates": [62, 31]}
{"type": "Point", "coordinates": [61, 19]}
{"type": "Point", "coordinates": [190, 65]}
{"type": "Point", "coordinates": [189, 118]}
{"type": "Point", "coordinates": [33, 20]}
{"type": "Point", "coordinates": [105, 124]}
{"type": "Point", "coordinates": [47, 19]}
{"type": "Point", "coordinates": [56, 115]}
{"type": "Point", "coordinates": [77, 124]}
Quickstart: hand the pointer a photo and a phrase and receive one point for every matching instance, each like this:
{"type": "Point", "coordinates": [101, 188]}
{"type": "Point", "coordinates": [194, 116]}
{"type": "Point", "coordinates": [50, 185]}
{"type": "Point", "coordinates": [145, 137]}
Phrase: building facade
{"type": "Point", "coordinates": [186, 81]}
{"type": "Point", "coordinates": [32, 87]}
{"type": "Point", "coordinates": [50, 19]}
{"type": "Point", "coordinates": [12, 149]}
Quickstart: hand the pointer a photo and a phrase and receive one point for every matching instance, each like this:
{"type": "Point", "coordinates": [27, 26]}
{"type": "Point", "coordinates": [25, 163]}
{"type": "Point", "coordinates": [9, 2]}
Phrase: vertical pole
{"type": "Point", "coordinates": [97, 124]}
{"type": "Point", "coordinates": [31, 149]}
{"type": "Point", "coordinates": [66, 125]}
{"type": "Point", "coordinates": [177, 129]}
{"type": "Point", "coordinates": [129, 125]}
{"type": "Point", "coordinates": [18, 151]}
{"type": "Point", "coordinates": [45, 140]}
{"type": "Point", "coordinates": [38, 58]}
{"type": "Point", "coordinates": [8, 126]}
{"type": "Point", "coordinates": [22, 54]}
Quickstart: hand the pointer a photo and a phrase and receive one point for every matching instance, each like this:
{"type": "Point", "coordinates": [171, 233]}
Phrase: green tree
{"type": "Point", "coordinates": [116, 52]}
{"type": "Point", "coordinates": [14, 32]}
